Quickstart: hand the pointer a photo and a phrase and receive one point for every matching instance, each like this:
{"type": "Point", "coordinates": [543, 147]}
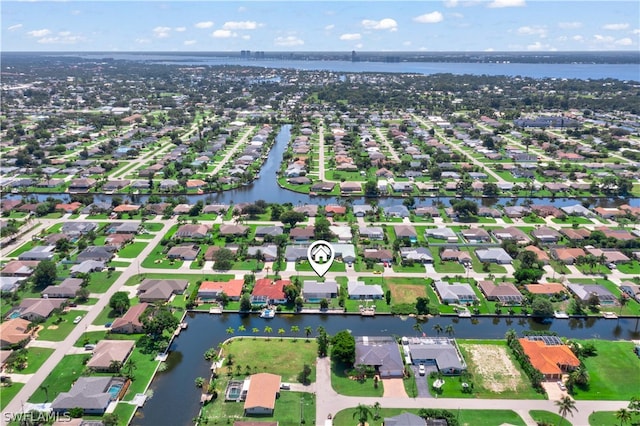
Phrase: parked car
{"type": "Point", "coordinates": [77, 319]}
{"type": "Point", "coordinates": [562, 386]}
{"type": "Point", "coordinates": [89, 347]}
{"type": "Point", "coordinates": [421, 370]}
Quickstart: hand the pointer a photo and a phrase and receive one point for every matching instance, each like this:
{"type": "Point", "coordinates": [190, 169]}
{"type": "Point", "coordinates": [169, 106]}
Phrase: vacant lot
{"type": "Point", "coordinates": [403, 293]}
{"type": "Point", "coordinates": [495, 374]}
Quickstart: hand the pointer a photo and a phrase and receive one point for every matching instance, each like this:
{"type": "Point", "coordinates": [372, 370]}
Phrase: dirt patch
{"type": "Point", "coordinates": [394, 388]}
{"type": "Point", "coordinates": [52, 327]}
{"type": "Point", "coordinates": [493, 364]}
{"type": "Point", "coordinates": [405, 293]}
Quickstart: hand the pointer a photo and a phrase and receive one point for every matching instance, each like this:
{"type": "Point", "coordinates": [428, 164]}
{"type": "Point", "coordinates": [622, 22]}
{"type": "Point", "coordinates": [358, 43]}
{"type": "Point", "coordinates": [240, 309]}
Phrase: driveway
{"type": "Point", "coordinates": [422, 382]}
{"type": "Point", "coordinates": [394, 388]}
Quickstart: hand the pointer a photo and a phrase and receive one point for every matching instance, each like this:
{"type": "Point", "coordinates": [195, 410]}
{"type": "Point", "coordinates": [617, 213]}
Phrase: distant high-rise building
{"type": "Point", "coordinates": [354, 58]}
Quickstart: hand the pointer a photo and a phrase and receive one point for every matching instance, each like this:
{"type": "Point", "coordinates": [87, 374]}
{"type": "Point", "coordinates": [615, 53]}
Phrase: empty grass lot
{"type": "Point", "coordinates": [613, 373]}
{"type": "Point", "coordinates": [35, 358]}
{"type": "Point", "coordinates": [131, 250]}
{"type": "Point", "coordinates": [58, 332]}
{"type": "Point", "coordinates": [284, 357]}
{"type": "Point", "coordinates": [63, 375]}
{"type": "Point", "coordinates": [548, 417]}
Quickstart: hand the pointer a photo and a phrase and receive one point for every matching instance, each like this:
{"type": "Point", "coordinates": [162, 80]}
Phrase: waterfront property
{"type": "Point", "coordinates": [263, 389]}
{"type": "Point", "coordinates": [92, 394]}
{"type": "Point", "coordinates": [381, 353]}
{"type": "Point", "coordinates": [549, 355]}
{"type": "Point", "coordinates": [441, 352]}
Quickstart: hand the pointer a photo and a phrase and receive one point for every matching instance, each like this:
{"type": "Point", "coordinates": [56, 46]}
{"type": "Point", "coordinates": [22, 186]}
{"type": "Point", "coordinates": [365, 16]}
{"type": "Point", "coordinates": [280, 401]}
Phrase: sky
{"type": "Point", "coordinates": [449, 25]}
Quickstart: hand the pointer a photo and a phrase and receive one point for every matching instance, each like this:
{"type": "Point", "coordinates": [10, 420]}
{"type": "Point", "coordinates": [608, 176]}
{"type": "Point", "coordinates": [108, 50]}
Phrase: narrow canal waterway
{"type": "Point", "coordinates": [176, 400]}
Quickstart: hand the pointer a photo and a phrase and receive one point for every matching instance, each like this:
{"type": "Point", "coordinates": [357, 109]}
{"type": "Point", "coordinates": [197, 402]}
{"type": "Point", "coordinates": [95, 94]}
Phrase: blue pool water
{"type": "Point", "coordinates": [114, 390]}
{"type": "Point", "coordinates": [14, 315]}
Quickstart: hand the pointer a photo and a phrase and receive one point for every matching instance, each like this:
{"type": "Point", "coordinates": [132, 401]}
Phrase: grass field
{"type": "Point", "coordinates": [63, 375]}
{"type": "Point", "coordinates": [402, 293]}
{"type": "Point", "coordinates": [613, 373]}
{"type": "Point", "coordinates": [344, 385]}
{"type": "Point", "coordinates": [283, 357]}
{"type": "Point", "coordinates": [58, 332]}
{"type": "Point", "coordinates": [549, 418]}
{"type": "Point", "coordinates": [35, 358]}
{"type": "Point", "coordinates": [465, 417]}
{"type": "Point", "coordinates": [131, 250]}
{"type": "Point", "coordinates": [8, 392]}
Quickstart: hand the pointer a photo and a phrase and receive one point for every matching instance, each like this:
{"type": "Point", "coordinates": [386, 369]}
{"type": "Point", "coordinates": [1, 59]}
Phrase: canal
{"type": "Point", "coordinates": [176, 400]}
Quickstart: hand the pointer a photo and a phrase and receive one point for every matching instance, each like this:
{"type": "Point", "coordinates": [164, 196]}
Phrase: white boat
{"type": "Point", "coordinates": [268, 313]}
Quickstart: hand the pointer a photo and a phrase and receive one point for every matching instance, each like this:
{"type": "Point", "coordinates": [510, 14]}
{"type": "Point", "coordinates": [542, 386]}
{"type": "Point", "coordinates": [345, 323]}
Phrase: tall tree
{"type": "Point", "coordinates": [566, 405]}
{"type": "Point", "coordinates": [120, 302]}
{"type": "Point", "coordinates": [362, 413]}
{"type": "Point", "coordinates": [45, 274]}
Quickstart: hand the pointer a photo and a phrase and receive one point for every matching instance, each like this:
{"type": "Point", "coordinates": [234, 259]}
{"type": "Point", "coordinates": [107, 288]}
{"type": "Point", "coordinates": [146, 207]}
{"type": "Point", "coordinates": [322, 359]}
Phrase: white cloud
{"type": "Point", "coordinates": [450, 3]}
{"type": "Point", "coordinates": [161, 32]}
{"type": "Point", "coordinates": [242, 9]}
{"type": "Point", "coordinates": [14, 27]}
{"type": "Point", "coordinates": [624, 42]}
{"type": "Point", "coordinates": [223, 34]}
{"type": "Point", "coordinates": [329, 27]}
{"type": "Point", "coordinates": [506, 3]}
{"type": "Point", "coordinates": [288, 41]}
{"type": "Point", "coordinates": [577, 38]}
{"type": "Point", "coordinates": [615, 27]}
{"type": "Point", "coordinates": [246, 37]}
{"type": "Point", "coordinates": [429, 18]}
{"type": "Point", "coordinates": [383, 24]}
{"type": "Point", "coordinates": [359, 46]}
{"type": "Point", "coordinates": [64, 33]}
{"type": "Point", "coordinates": [534, 30]}
{"type": "Point", "coordinates": [350, 37]}
{"type": "Point", "coordinates": [489, 49]}
{"type": "Point", "coordinates": [636, 31]}
{"type": "Point", "coordinates": [240, 25]}
{"type": "Point", "coordinates": [143, 41]}
{"type": "Point", "coordinates": [39, 33]}
{"type": "Point", "coordinates": [75, 12]}
{"type": "Point", "coordinates": [570, 25]}
{"type": "Point", "coordinates": [204, 24]}
{"type": "Point", "coordinates": [539, 46]}
{"type": "Point", "coordinates": [603, 39]}
{"type": "Point", "coordinates": [64, 37]}
{"type": "Point", "coordinates": [189, 42]}
{"type": "Point", "coordinates": [180, 29]}
{"type": "Point", "coordinates": [406, 43]}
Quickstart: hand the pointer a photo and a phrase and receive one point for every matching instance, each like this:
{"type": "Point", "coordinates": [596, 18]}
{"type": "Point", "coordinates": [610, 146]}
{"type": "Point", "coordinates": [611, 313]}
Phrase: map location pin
{"type": "Point", "coordinates": [321, 255]}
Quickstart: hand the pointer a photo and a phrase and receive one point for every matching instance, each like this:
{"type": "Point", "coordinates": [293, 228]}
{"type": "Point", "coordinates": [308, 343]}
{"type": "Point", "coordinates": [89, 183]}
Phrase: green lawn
{"type": "Point", "coordinates": [606, 418]}
{"type": "Point", "coordinates": [8, 392]}
{"type": "Point", "coordinates": [284, 357]}
{"type": "Point", "coordinates": [613, 373]}
{"type": "Point", "coordinates": [344, 385]}
{"type": "Point", "coordinates": [61, 378]}
{"type": "Point", "coordinates": [465, 417]}
{"type": "Point", "coordinates": [131, 250]}
{"type": "Point", "coordinates": [549, 418]}
{"type": "Point", "coordinates": [23, 248]}
{"type": "Point", "coordinates": [124, 413]}
{"type": "Point", "coordinates": [35, 358]}
{"type": "Point", "coordinates": [153, 226]}
{"type": "Point", "coordinates": [58, 332]}
{"type": "Point", "coordinates": [100, 282]}
{"type": "Point", "coordinates": [632, 267]}
{"type": "Point", "coordinates": [304, 266]}
{"type": "Point", "coordinates": [571, 220]}
{"type": "Point", "coordinates": [143, 373]}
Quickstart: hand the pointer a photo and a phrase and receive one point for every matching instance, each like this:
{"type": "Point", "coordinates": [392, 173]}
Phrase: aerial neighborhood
{"type": "Point", "coordinates": [482, 267]}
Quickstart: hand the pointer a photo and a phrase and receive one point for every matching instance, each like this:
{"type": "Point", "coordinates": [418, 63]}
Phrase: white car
{"type": "Point", "coordinates": [421, 370]}
{"type": "Point", "coordinates": [77, 319]}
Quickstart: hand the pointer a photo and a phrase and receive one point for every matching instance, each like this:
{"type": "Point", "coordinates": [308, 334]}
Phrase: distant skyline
{"type": "Point", "coordinates": [430, 26]}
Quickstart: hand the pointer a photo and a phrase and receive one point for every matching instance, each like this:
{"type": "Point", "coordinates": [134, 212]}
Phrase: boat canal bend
{"type": "Point", "coordinates": [176, 401]}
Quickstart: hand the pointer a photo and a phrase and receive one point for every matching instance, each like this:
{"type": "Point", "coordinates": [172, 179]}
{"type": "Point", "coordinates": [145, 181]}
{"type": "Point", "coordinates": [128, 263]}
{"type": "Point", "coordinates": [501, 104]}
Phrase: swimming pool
{"type": "Point", "coordinates": [234, 393]}
{"type": "Point", "coordinates": [15, 314]}
{"type": "Point", "coordinates": [114, 390]}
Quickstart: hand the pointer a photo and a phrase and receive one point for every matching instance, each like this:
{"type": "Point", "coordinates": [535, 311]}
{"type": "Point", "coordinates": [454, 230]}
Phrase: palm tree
{"type": "Point", "coordinates": [622, 300]}
{"type": "Point", "coordinates": [418, 328]}
{"type": "Point", "coordinates": [362, 413]}
{"type": "Point", "coordinates": [438, 328]}
{"type": "Point", "coordinates": [230, 330]}
{"type": "Point", "coordinates": [376, 407]}
{"type": "Point", "coordinates": [241, 329]}
{"type": "Point", "coordinates": [281, 333]}
{"type": "Point", "coordinates": [295, 330]}
{"type": "Point", "coordinates": [566, 405]}
{"type": "Point", "coordinates": [307, 331]}
{"type": "Point", "coordinates": [449, 330]}
{"type": "Point", "coordinates": [623, 415]}
{"type": "Point", "coordinates": [255, 330]}
{"type": "Point", "coordinates": [268, 330]}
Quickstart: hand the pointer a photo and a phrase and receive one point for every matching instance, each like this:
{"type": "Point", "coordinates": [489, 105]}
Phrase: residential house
{"type": "Point", "coordinates": [77, 229]}
{"type": "Point", "coordinates": [233, 230]}
{"type": "Point", "coordinates": [118, 240]}
{"type": "Point", "coordinates": [269, 292]}
{"type": "Point", "coordinates": [359, 290]}
{"type": "Point", "coordinates": [272, 231]}
{"type": "Point", "coordinates": [196, 231]}
{"type": "Point", "coordinates": [342, 232]}
{"type": "Point", "coordinates": [381, 353]}
{"type": "Point", "coordinates": [310, 210]}
{"type": "Point", "coordinates": [545, 234]}
{"type": "Point", "coordinates": [371, 232]}
{"type": "Point", "coordinates": [184, 252]}
{"type": "Point", "coordinates": [65, 290]}
{"type": "Point", "coordinates": [361, 210]}
{"type": "Point", "coordinates": [577, 234]}
{"type": "Point", "coordinates": [86, 267]}
{"type": "Point", "coordinates": [108, 352]}
{"type": "Point", "coordinates": [154, 290]}
{"type": "Point", "coordinates": [346, 252]}
{"type": "Point", "coordinates": [130, 322]}
{"type": "Point", "coordinates": [511, 233]}
{"type": "Point", "coordinates": [475, 235]}
{"type": "Point", "coordinates": [631, 289]}
{"type": "Point", "coordinates": [567, 255]}
{"type": "Point", "coordinates": [211, 290]}
{"type": "Point", "coordinates": [38, 309]}
{"type": "Point", "coordinates": [38, 253]}
{"type": "Point", "coordinates": [293, 253]}
{"type": "Point", "coordinates": [10, 284]}
{"type": "Point", "coordinates": [379, 255]}
{"type": "Point", "coordinates": [14, 333]}
{"type": "Point", "coordinates": [541, 255]}
{"type": "Point", "coordinates": [577, 210]}
{"type": "Point", "coordinates": [19, 268]}
{"type": "Point", "coordinates": [503, 292]}
{"type": "Point", "coordinates": [269, 252]}
{"type": "Point", "coordinates": [416, 254]}
{"type": "Point", "coordinates": [494, 255]}
{"type": "Point", "coordinates": [441, 352]}
{"type": "Point", "coordinates": [443, 233]}
{"type": "Point", "coordinates": [261, 396]}
{"type": "Point", "coordinates": [618, 234]}
{"type": "Point", "coordinates": [81, 185]}
{"type": "Point", "coordinates": [553, 360]}
{"type": "Point", "coordinates": [585, 292]}
{"type": "Point", "coordinates": [314, 291]}
{"type": "Point", "coordinates": [333, 209]}
{"type": "Point", "coordinates": [457, 255]}
{"type": "Point", "coordinates": [458, 293]}
{"type": "Point", "coordinates": [547, 210]}
{"type": "Point", "coordinates": [609, 212]}
{"type": "Point", "coordinates": [124, 228]}
{"type": "Point", "coordinates": [406, 231]}
{"type": "Point", "coordinates": [97, 253]}
{"type": "Point", "coordinates": [91, 394]}
{"type": "Point", "coordinates": [397, 211]}
{"type": "Point", "coordinates": [350, 187]}
{"type": "Point", "coordinates": [516, 211]}
{"type": "Point", "coordinates": [609, 255]}
{"type": "Point", "coordinates": [430, 211]}
{"type": "Point", "coordinates": [302, 234]}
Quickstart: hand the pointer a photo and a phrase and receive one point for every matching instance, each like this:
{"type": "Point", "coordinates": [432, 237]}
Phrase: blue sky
{"type": "Point", "coordinates": [449, 25]}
